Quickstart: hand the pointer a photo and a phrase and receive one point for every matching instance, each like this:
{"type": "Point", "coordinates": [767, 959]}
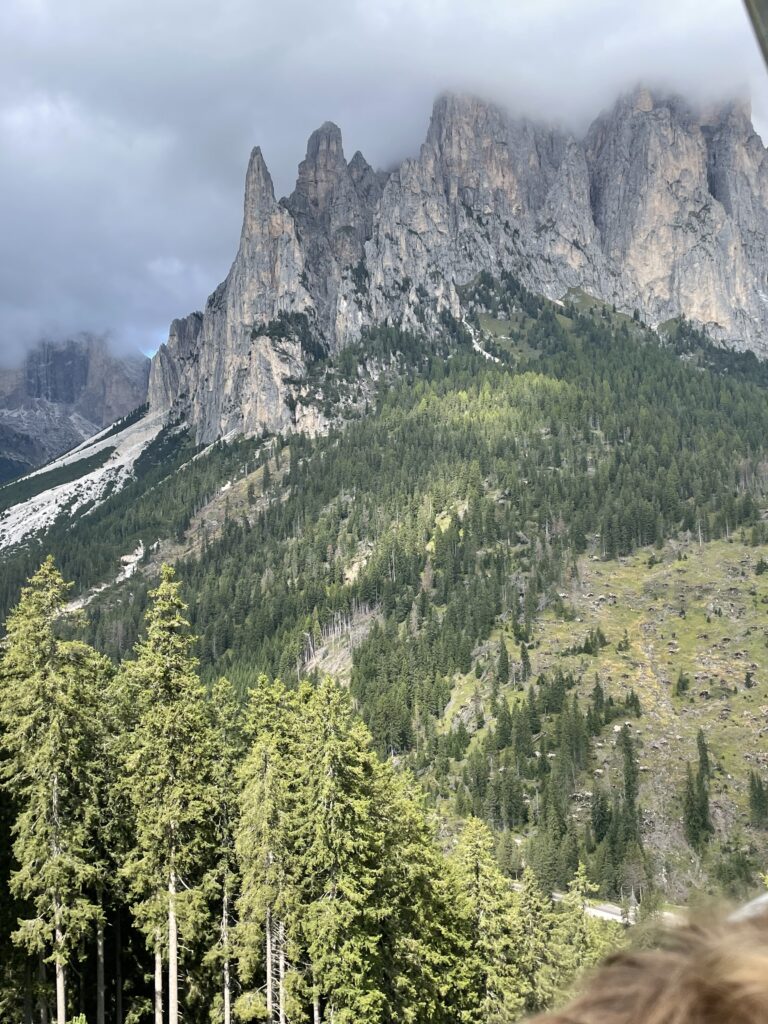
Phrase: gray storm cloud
{"type": "Point", "coordinates": [125, 126]}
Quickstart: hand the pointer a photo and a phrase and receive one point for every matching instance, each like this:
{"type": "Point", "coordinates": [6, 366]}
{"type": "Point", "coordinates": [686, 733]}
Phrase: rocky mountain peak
{"type": "Point", "coordinates": [63, 392]}
{"type": "Point", "coordinates": [321, 173]}
{"type": "Point", "coordinates": [661, 208]}
{"type": "Point", "coordinates": [259, 190]}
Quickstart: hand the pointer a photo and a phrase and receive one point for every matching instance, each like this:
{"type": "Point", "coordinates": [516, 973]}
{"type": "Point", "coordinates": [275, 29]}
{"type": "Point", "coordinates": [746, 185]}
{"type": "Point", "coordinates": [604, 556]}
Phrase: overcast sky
{"type": "Point", "coordinates": [125, 125]}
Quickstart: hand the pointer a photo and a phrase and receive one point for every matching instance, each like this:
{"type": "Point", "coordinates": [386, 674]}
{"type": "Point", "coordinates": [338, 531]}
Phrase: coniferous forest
{"type": "Point", "coordinates": [259, 856]}
{"type": "Point", "coordinates": [199, 823]}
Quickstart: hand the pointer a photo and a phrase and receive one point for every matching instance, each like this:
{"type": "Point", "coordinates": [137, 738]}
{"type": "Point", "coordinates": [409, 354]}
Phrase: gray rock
{"type": "Point", "coordinates": [660, 208]}
{"type": "Point", "coordinates": [62, 394]}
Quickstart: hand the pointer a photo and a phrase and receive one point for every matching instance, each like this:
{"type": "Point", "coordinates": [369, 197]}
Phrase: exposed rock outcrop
{"type": "Point", "coordinates": [62, 394]}
{"type": "Point", "coordinates": [659, 208]}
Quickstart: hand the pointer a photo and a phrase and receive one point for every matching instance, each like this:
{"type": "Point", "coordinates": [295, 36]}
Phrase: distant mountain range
{"type": "Point", "coordinates": [62, 394]}
{"type": "Point", "coordinates": [661, 208]}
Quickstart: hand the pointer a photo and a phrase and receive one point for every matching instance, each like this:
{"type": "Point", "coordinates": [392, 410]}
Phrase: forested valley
{"type": "Point", "coordinates": [231, 831]}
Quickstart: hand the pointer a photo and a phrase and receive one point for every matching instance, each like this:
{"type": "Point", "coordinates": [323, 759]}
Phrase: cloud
{"type": "Point", "coordinates": [125, 126]}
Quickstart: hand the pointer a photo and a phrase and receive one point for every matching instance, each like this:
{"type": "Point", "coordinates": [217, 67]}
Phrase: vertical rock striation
{"type": "Point", "coordinates": [660, 207]}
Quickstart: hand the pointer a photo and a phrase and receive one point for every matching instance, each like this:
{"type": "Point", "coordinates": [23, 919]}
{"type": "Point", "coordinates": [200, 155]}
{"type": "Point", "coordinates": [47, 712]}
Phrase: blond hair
{"type": "Point", "coordinates": [706, 974]}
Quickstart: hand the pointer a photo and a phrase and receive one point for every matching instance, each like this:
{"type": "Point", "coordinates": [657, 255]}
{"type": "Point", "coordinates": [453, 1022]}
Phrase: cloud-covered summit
{"type": "Point", "coordinates": [124, 127]}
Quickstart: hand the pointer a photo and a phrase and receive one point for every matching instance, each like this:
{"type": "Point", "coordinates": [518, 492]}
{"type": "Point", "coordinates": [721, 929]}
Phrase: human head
{"type": "Point", "coordinates": [704, 974]}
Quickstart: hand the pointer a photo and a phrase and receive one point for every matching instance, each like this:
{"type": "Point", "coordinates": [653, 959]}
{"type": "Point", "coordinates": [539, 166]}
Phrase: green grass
{"type": "Point", "coordinates": [721, 634]}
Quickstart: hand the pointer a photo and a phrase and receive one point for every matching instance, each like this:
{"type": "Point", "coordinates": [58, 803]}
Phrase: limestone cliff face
{"type": "Point", "coordinates": [659, 208]}
{"type": "Point", "coordinates": [681, 203]}
{"type": "Point", "coordinates": [63, 393]}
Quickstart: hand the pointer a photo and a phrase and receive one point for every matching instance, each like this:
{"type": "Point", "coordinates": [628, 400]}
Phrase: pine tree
{"type": "Point", "coordinates": [508, 855]}
{"type": "Point", "coordinates": [696, 818]}
{"type": "Point", "coordinates": [487, 911]}
{"type": "Point", "coordinates": [502, 666]}
{"type": "Point", "coordinates": [503, 725]}
{"type": "Point", "coordinates": [630, 772]}
{"type": "Point", "coordinates": [344, 901]}
{"type": "Point", "coordinates": [52, 718]}
{"type": "Point", "coordinates": [537, 921]}
{"type": "Point", "coordinates": [170, 779]}
{"type": "Point", "coordinates": [272, 797]}
{"type": "Point", "coordinates": [705, 769]}
{"type": "Point", "coordinates": [577, 941]}
{"type": "Point", "coordinates": [758, 801]}
{"type": "Point", "coordinates": [227, 730]}
{"type": "Point", "coordinates": [345, 862]}
{"type": "Point", "coordinates": [525, 660]}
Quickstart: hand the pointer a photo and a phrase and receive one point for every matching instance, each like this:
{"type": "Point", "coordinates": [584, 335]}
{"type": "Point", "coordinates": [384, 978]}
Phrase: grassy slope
{"type": "Point", "coordinates": [722, 634]}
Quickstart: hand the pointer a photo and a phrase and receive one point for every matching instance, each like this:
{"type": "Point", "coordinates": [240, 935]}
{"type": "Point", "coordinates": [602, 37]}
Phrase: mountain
{"type": "Point", "coordinates": [524, 527]}
{"type": "Point", "coordinates": [660, 208]}
{"type": "Point", "coordinates": [63, 393]}
{"type": "Point", "coordinates": [557, 482]}
{"type": "Point", "coordinates": [531, 551]}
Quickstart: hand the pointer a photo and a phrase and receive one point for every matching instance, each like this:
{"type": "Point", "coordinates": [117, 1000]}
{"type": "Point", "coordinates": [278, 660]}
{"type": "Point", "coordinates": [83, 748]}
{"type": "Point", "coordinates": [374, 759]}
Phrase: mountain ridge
{"type": "Point", "coordinates": [660, 208]}
{"type": "Point", "coordinates": [64, 392]}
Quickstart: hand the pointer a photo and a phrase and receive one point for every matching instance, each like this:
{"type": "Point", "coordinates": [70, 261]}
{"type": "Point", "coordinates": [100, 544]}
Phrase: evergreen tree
{"type": "Point", "coordinates": [696, 819]}
{"type": "Point", "coordinates": [504, 728]}
{"type": "Point", "coordinates": [525, 661]}
{"type": "Point", "coordinates": [502, 665]}
{"type": "Point", "coordinates": [170, 779]}
{"type": "Point", "coordinates": [575, 944]}
{"type": "Point", "coordinates": [52, 737]}
{"type": "Point", "coordinates": [487, 911]}
{"type": "Point", "coordinates": [508, 855]}
{"type": "Point", "coordinates": [345, 862]}
{"type": "Point", "coordinates": [758, 801]}
{"type": "Point", "coordinates": [536, 923]}
{"type": "Point", "coordinates": [705, 769]}
{"type": "Point", "coordinates": [272, 798]}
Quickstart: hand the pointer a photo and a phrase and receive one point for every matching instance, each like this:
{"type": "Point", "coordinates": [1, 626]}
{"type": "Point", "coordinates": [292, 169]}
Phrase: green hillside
{"type": "Point", "coordinates": [476, 498]}
{"type": "Point", "coordinates": [533, 554]}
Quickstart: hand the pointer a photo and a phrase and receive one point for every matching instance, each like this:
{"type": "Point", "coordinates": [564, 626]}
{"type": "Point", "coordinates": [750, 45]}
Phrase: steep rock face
{"type": "Point", "coordinates": [680, 203]}
{"type": "Point", "coordinates": [660, 208]}
{"type": "Point", "coordinates": [63, 393]}
{"type": "Point", "coordinates": [220, 367]}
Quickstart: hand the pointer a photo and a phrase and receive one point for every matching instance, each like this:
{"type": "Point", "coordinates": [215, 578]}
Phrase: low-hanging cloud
{"type": "Point", "coordinates": [125, 126]}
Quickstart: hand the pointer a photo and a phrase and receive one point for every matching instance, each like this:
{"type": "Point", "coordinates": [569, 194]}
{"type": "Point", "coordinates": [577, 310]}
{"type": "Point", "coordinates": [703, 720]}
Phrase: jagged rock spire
{"type": "Point", "coordinates": [660, 208]}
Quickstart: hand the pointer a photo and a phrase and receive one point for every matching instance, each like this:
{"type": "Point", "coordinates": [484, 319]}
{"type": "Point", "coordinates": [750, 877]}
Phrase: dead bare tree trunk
{"type": "Point", "coordinates": [173, 962]}
{"type": "Point", "coordinates": [270, 995]}
{"type": "Point", "coordinates": [158, 979]}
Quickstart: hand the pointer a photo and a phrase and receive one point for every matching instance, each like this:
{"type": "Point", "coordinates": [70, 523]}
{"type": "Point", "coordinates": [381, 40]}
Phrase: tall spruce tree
{"type": "Point", "coordinates": [537, 922]}
{"type": "Point", "coordinates": [758, 800]}
{"type": "Point", "coordinates": [495, 989]}
{"type": "Point", "coordinates": [502, 666]}
{"type": "Point", "coordinates": [272, 792]}
{"type": "Point", "coordinates": [696, 818]}
{"type": "Point", "coordinates": [345, 860]}
{"type": "Point", "coordinates": [52, 736]}
{"type": "Point", "coordinates": [228, 739]}
{"type": "Point", "coordinates": [345, 910]}
{"type": "Point", "coordinates": [170, 778]}
{"type": "Point", "coordinates": [578, 941]}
